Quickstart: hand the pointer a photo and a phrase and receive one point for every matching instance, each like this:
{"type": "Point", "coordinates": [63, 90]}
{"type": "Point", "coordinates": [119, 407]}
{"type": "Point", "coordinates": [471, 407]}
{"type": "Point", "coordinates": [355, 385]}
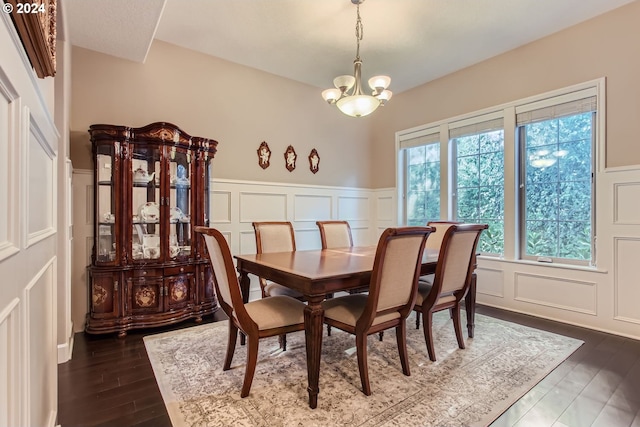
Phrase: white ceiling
{"type": "Point", "coordinates": [312, 41]}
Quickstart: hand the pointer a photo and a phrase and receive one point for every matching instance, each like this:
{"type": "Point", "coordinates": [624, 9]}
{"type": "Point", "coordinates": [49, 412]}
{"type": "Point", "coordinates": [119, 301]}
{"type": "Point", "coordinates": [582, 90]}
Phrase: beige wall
{"type": "Point", "coordinates": [238, 106]}
{"type": "Point", "coordinates": [605, 46]}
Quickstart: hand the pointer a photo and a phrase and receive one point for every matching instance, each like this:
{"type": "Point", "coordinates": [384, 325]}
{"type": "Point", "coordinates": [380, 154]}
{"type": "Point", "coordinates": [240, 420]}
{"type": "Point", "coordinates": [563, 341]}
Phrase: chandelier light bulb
{"type": "Point", "coordinates": [331, 95]}
{"type": "Point", "coordinates": [379, 83]}
{"type": "Point", "coordinates": [344, 83]}
{"type": "Point", "coordinates": [384, 96]}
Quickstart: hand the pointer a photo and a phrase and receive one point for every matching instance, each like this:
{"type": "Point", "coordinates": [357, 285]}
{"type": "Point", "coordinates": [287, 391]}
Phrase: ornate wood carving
{"type": "Point", "coordinates": [314, 161]}
{"type": "Point", "coordinates": [36, 26]}
{"type": "Point", "coordinates": [290, 157]}
{"type": "Point", "coordinates": [264, 155]}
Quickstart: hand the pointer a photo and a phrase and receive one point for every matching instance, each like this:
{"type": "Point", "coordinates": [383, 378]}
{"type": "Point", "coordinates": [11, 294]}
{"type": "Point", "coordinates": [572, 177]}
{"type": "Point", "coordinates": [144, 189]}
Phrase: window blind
{"type": "Point", "coordinates": [548, 110]}
{"type": "Point", "coordinates": [476, 128]}
{"type": "Point", "coordinates": [416, 139]}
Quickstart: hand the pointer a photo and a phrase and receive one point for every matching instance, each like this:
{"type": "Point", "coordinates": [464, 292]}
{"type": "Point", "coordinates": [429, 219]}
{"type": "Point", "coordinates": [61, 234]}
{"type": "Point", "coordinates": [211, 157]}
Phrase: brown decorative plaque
{"type": "Point", "coordinates": [314, 161]}
{"type": "Point", "coordinates": [290, 157]}
{"type": "Point", "coordinates": [264, 155]}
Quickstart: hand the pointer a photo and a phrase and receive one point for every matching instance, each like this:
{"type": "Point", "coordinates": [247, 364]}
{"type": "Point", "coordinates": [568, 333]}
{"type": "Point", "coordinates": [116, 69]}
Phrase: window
{"type": "Point", "coordinates": [479, 180]}
{"type": "Point", "coordinates": [422, 177]}
{"type": "Point", "coordinates": [423, 184]}
{"type": "Point", "coordinates": [526, 168]}
{"type": "Point", "coordinates": [556, 181]}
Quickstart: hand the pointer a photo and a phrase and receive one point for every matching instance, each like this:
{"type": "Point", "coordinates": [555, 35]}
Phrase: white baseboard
{"type": "Point", "coordinates": [65, 351]}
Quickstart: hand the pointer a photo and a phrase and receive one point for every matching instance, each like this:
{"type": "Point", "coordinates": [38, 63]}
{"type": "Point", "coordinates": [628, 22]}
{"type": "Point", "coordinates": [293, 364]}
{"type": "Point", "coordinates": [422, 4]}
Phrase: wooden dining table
{"type": "Point", "coordinates": [317, 273]}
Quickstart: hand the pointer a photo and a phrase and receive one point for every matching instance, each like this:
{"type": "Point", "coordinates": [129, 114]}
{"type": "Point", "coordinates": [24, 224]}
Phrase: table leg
{"type": "Point", "coordinates": [313, 325]}
{"type": "Point", "coordinates": [245, 282]}
{"type": "Point", "coordinates": [470, 305]}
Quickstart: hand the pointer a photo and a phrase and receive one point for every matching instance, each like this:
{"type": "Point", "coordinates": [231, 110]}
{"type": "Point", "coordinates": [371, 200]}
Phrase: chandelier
{"type": "Point", "coordinates": [356, 103]}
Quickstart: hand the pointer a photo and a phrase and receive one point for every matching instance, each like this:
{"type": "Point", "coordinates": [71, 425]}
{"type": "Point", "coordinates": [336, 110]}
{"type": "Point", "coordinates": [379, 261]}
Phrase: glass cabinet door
{"type": "Point", "coordinates": [145, 202]}
{"type": "Point", "coordinates": [181, 169]}
{"type": "Point", "coordinates": [106, 207]}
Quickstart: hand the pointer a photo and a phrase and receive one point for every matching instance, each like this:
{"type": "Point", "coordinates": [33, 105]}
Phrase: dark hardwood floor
{"type": "Point", "coordinates": [109, 382]}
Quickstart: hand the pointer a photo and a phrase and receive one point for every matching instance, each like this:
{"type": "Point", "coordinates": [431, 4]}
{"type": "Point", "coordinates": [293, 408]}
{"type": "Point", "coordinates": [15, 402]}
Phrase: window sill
{"type": "Point", "coordinates": [590, 269]}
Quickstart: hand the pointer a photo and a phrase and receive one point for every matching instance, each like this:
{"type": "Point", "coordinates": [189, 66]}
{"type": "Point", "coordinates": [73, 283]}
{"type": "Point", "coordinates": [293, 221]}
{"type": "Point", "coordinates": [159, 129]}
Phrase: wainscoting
{"type": "Point", "coordinates": [28, 233]}
{"type": "Point", "coordinates": [604, 297]}
{"type": "Point", "coordinates": [236, 204]}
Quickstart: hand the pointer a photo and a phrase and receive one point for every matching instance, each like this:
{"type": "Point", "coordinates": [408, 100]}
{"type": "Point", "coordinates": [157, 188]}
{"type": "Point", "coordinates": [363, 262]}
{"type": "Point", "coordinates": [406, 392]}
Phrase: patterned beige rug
{"type": "Point", "coordinates": [470, 387]}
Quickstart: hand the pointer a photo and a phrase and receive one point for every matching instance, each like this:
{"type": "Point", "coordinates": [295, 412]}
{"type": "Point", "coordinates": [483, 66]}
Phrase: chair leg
{"type": "Point", "coordinates": [231, 345]}
{"type": "Point", "coordinates": [252, 358]}
{"type": "Point", "coordinates": [361, 345]}
{"type": "Point", "coordinates": [401, 338]}
{"type": "Point", "coordinates": [417, 320]}
{"type": "Point", "coordinates": [329, 296]}
{"type": "Point", "coordinates": [458, 326]}
{"type": "Point", "coordinates": [427, 319]}
{"type": "Point", "coordinates": [282, 339]}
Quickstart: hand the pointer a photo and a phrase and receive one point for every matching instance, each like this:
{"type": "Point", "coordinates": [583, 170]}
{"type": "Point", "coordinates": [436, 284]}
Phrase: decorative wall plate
{"type": "Point", "coordinates": [150, 212]}
{"type": "Point", "coordinates": [264, 155]}
{"type": "Point", "coordinates": [176, 214]}
{"type": "Point", "coordinates": [314, 161]}
{"type": "Point", "coordinates": [290, 157]}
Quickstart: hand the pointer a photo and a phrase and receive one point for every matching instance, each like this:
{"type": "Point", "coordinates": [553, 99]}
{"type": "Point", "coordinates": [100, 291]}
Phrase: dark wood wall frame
{"type": "Point", "coordinates": [37, 32]}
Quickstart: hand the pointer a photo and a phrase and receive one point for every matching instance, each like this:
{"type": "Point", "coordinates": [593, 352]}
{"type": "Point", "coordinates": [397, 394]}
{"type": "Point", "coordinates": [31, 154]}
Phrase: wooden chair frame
{"type": "Point", "coordinates": [239, 318]}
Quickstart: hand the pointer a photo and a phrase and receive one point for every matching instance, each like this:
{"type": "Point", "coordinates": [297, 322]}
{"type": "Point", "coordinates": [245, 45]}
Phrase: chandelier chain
{"type": "Point", "coordinates": [359, 31]}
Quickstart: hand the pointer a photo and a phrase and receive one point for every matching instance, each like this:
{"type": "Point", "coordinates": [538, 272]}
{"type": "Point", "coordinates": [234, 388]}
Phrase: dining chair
{"type": "Point", "coordinates": [456, 262]}
{"type": "Point", "coordinates": [335, 234]}
{"type": "Point", "coordinates": [275, 236]}
{"type": "Point", "coordinates": [258, 319]}
{"type": "Point", "coordinates": [392, 293]}
{"type": "Point", "coordinates": [434, 242]}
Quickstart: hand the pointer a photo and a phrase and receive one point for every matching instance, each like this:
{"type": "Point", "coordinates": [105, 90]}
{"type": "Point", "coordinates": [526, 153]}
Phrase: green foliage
{"type": "Point", "coordinates": [557, 169]}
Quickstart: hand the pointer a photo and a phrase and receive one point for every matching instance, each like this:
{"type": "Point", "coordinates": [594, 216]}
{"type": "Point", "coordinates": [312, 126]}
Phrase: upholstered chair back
{"type": "Point", "coordinates": [274, 237]}
{"type": "Point", "coordinates": [439, 229]}
{"type": "Point", "coordinates": [396, 270]}
{"type": "Point", "coordinates": [226, 281]}
{"type": "Point", "coordinates": [335, 234]}
{"type": "Point", "coordinates": [455, 263]}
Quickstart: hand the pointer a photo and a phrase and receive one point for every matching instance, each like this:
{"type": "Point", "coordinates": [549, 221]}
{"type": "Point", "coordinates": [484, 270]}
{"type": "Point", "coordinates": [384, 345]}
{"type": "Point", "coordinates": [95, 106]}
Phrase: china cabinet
{"type": "Point", "coordinates": [151, 188]}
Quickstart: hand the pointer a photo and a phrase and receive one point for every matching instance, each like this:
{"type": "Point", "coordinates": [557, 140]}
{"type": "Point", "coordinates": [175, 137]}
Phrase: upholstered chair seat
{"type": "Point", "coordinates": [275, 312]}
{"type": "Point", "coordinates": [273, 289]}
{"type": "Point", "coordinates": [349, 309]}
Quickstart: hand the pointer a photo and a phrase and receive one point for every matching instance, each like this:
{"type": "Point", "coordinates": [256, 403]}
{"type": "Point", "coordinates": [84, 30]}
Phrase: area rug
{"type": "Point", "coordinates": [470, 387]}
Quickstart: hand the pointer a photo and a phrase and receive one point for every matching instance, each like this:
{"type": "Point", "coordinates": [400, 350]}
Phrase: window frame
{"type": "Point", "coordinates": [522, 205]}
{"type": "Point", "coordinates": [512, 200]}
